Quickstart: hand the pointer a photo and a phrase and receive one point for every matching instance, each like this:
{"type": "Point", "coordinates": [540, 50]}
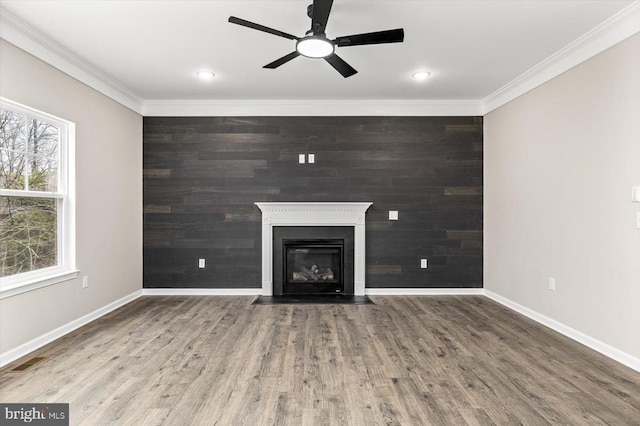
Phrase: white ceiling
{"type": "Point", "coordinates": [153, 49]}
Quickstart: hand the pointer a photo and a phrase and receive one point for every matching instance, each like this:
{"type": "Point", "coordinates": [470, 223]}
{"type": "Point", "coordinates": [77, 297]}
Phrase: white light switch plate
{"type": "Point", "coordinates": [393, 215]}
{"type": "Point", "coordinates": [423, 263]}
{"type": "Point", "coordinates": [635, 194]}
{"type": "Point", "coordinates": [201, 263]}
{"type": "Point", "coordinates": [312, 158]}
{"type": "Point", "coordinates": [301, 158]}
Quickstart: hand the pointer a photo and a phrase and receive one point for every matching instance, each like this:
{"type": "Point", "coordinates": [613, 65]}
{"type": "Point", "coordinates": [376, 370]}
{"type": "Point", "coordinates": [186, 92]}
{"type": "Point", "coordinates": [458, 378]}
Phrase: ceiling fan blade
{"type": "Point", "coordinates": [340, 65]}
{"type": "Point", "coordinates": [259, 27]}
{"type": "Point", "coordinates": [283, 60]}
{"type": "Point", "coordinates": [321, 10]}
{"type": "Point", "coordinates": [388, 36]}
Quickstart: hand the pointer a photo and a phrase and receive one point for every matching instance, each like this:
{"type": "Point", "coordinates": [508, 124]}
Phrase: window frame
{"type": "Point", "coordinates": [65, 269]}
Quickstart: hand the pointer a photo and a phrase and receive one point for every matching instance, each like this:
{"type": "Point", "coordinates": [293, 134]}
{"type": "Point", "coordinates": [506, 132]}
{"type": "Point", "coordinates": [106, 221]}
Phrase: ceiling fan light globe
{"type": "Point", "coordinates": [315, 47]}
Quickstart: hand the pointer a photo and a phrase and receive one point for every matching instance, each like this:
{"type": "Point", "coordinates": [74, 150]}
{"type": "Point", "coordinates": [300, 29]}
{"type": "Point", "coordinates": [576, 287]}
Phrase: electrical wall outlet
{"type": "Point", "coordinates": [201, 263]}
{"type": "Point", "coordinates": [393, 215]}
{"type": "Point", "coordinates": [85, 281]}
{"type": "Point", "coordinates": [301, 158]}
{"type": "Point", "coordinates": [423, 263]}
{"type": "Point", "coordinates": [311, 158]}
{"type": "Point", "coordinates": [552, 284]}
{"type": "Point", "coordinates": [635, 194]}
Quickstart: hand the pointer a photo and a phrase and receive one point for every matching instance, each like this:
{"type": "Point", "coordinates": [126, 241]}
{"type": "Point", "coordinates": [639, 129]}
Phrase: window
{"type": "Point", "coordinates": [36, 199]}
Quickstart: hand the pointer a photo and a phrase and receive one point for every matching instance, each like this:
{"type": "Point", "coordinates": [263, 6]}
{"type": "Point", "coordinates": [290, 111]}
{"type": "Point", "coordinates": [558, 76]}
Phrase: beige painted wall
{"type": "Point", "coordinates": [560, 162]}
{"type": "Point", "coordinates": [108, 192]}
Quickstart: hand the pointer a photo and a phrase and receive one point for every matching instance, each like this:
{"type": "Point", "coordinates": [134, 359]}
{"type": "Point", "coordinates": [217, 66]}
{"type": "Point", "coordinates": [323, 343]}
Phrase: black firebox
{"type": "Point", "coordinates": [312, 260]}
{"type": "Point", "coordinates": [313, 266]}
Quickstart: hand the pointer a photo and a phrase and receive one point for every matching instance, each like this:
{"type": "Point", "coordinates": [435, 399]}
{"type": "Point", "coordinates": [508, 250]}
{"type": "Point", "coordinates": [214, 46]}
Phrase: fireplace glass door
{"type": "Point", "coordinates": [313, 266]}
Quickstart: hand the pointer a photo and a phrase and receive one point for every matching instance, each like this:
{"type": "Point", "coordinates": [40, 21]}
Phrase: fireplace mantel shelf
{"type": "Point", "coordinates": [313, 214]}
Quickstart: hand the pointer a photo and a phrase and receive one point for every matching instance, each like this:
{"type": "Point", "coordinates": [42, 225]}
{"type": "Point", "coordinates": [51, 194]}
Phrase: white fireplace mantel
{"type": "Point", "coordinates": [313, 214]}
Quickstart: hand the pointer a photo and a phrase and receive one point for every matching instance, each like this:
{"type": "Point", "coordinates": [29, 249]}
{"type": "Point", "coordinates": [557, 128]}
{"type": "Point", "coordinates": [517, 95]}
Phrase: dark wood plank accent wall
{"type": "Point", "coordinates": [203, 174]}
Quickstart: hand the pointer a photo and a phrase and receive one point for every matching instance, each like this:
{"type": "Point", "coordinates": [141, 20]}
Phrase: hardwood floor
{"type": "Point", "coordinates": [403, 361]}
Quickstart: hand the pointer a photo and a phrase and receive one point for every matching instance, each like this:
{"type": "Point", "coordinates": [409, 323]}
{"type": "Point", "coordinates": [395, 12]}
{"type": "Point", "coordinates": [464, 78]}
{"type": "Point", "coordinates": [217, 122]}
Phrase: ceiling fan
{"type": "Point", "coordinates": [315, 43]}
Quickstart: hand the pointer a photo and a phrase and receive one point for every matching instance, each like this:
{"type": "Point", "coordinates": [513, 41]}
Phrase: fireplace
{"type": "Point", "coordinates": [309, 215]}
{"type": "Point", "coordinates": [313, 260]}
{"type": "Point", "coordinates": [313, 266]}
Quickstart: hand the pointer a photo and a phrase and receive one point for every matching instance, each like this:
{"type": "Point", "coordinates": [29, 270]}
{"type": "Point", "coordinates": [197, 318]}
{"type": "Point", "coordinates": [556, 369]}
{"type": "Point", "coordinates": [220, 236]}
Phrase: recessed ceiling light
{"type": "Point", "coordinates": [420, 75]}
{"type": "Point", "coordinates": [205, 75]}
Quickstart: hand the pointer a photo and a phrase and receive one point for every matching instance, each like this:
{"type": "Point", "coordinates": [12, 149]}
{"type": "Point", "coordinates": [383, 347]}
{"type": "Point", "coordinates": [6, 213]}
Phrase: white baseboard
{"type": "Point", "coordinates": [201, 291]}
{"type": "Point", "coordinates": [24, 349]}
{"type": "Point", "coordinates": [258, 291]}
{"type": "Point", "coordinates": [590, 342]}
{"type": "Point", "coordinates": [423, 291]}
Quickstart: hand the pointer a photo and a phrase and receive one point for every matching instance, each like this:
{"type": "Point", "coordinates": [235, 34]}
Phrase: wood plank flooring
{"type": "Point", "coordinates": [404, 361]}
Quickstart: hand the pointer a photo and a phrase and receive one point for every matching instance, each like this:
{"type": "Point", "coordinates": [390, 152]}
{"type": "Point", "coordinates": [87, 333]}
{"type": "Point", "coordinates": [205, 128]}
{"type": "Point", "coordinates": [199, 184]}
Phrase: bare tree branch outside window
{"type": "Point", "coordinates": [28, 162]}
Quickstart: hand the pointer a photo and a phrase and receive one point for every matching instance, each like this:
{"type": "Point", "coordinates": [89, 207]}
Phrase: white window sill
{"type": "Point", "coordinates": [16, 287]}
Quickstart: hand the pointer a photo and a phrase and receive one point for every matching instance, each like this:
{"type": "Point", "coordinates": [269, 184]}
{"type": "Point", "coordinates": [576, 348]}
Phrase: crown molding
{"type": "Point", "coordinates": [619, 27]}
{"type": "Point", "coordinates": [183, 108]}
{"type": "Point", "coordinates": [26, 37]}
{"type": "Point", "coordinates": [612, 31]}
